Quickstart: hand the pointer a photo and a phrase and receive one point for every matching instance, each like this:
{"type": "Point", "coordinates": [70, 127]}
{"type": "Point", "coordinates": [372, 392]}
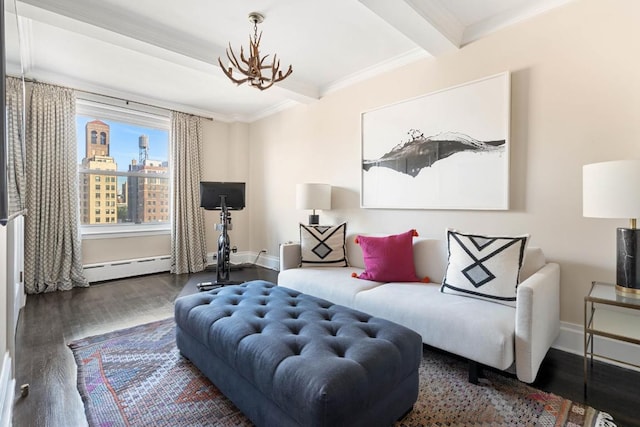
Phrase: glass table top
{"type": "Point", "coordinates": [606, 293]}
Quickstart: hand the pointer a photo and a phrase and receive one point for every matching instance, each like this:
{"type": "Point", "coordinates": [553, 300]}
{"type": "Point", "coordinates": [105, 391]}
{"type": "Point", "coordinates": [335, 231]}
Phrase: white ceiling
{"type": "Point", "coordinates": [165, 52]}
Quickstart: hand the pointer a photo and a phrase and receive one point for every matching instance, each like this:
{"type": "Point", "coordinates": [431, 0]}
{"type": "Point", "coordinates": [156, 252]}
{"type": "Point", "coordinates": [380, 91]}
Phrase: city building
{"type": "Point", "coordinates": [98, 194]}
{"type": "Point", "coordinates": [147, 197]}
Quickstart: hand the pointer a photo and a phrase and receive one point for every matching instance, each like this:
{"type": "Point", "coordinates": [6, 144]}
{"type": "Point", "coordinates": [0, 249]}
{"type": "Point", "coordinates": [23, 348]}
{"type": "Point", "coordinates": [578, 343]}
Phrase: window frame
{"type": "Point", "coordinates": [106, 108]}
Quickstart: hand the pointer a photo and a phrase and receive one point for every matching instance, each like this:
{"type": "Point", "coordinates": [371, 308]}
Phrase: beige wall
{"type": "Point", "coordinates": [225, 158]}
{"type": "Point", "coordinates": [114, 249]}
{"type": "Point", "coordinates": [575, 100]}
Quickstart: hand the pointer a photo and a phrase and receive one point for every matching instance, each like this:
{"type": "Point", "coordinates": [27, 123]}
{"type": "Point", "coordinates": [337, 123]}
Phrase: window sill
{"type": "Point", "coordinates": [118, 231]}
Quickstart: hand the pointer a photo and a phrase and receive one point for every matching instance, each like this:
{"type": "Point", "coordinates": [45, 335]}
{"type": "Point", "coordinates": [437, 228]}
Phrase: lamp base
{"type": "Point", "coordinates": [314, 219]}
{"type": "Point", "coordinates": [628, 271]}
{"type": "Point", "coordinates": [627, 292]}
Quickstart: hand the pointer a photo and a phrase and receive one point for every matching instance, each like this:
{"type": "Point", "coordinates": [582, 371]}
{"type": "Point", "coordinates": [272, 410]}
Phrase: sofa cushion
{"type": "Point", "coordinates": [323, 246]}
{"type": "Point", "coordinates": [485, 267]}
{"type": "Point", "coordinates": [333, 284]}
{"type": "Point", "coordinates": [388, 258]}
{"type": "Point", "coordinates": [469, 327]}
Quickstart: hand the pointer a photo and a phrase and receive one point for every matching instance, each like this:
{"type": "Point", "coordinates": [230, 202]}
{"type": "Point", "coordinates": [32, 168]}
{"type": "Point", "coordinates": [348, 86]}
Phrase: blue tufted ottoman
{"type": "Point", "coordinates": [290, 359]}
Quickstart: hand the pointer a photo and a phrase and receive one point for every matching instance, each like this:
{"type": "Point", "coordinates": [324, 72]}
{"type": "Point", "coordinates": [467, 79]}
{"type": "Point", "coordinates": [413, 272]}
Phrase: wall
{"type": "Point", "coordinates": [224, 158]}
{"type": "Point", "coordinates": [4, 306]}
{"type": "Point", "coordinates": [575, 100]}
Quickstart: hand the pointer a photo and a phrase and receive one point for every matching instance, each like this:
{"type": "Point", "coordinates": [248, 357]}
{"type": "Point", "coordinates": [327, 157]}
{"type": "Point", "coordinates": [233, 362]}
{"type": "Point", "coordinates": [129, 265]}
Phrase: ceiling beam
{"type": "Point", "coordinates": [97, 21]}
{"type": "Point", "coordinates": [509, 17]}
{"type": "Point", "coordinates": [427, 24]}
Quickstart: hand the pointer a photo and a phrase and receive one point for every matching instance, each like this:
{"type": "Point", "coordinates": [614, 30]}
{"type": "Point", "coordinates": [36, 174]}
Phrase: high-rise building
{"type": "Point", "coordinates": [97, 139]}
{"type": "Point", "coordinates": [122, 205]}
{"type": "Point", "coordinates": [98, 191]}
{"type": "Point", "coordinates": [147, 198]}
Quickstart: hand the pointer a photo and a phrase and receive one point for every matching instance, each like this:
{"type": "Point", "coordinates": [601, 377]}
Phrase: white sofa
{"type": "Point", "coordinates": [488, 333]}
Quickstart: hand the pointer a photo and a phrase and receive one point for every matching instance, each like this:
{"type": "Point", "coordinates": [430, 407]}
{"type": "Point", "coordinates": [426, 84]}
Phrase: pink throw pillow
{"type": "Point", "coordinates": [389, 259]}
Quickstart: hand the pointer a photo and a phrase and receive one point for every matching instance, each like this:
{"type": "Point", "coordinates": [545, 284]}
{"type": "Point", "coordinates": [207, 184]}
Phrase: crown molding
{"type": "Point", "coordinates": [497, 22]}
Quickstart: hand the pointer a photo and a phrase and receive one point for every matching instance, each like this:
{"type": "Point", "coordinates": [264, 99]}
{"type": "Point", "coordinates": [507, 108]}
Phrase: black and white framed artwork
{"type": "Point", "coordinates": [444, 150]}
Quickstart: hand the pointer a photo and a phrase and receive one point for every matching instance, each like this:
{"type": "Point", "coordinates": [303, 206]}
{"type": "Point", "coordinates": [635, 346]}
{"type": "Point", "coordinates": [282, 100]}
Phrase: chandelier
{"type": "Point", "coordinates": [259, 74]}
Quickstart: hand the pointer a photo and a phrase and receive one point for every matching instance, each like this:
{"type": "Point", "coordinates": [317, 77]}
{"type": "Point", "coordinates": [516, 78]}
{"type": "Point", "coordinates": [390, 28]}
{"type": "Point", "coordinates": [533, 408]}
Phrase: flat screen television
{"type": "Point", "coordinates": [210, 193]}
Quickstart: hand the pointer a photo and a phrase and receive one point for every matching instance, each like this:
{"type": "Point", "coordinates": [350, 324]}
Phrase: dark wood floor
{"type": "Point", "coordinates": [49, 322]}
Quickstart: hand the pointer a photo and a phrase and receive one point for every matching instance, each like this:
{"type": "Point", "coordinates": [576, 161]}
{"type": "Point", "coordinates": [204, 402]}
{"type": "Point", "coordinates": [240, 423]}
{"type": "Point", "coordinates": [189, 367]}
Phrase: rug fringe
{"type": "Point", "coordinates": [604, 420]}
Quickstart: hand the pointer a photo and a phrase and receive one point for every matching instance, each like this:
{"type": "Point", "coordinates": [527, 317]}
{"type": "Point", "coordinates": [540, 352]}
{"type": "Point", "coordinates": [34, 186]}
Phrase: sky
{"type": "Point", "coordinates": [123, 144]}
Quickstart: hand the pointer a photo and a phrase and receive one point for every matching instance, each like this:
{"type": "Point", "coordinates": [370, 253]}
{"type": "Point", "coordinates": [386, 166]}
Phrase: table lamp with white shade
{"type": "Point", "coordinates": [612, 190]}
{"type": "Point", "coordinates": [314, 197]}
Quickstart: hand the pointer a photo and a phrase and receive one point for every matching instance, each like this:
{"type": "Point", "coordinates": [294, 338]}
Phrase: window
{"type": "Point", "coordinates": [134, 149]}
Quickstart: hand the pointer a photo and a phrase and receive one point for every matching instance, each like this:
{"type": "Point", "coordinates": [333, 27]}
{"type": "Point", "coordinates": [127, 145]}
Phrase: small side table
{"type": "Point", "coordinates": [610, 315]}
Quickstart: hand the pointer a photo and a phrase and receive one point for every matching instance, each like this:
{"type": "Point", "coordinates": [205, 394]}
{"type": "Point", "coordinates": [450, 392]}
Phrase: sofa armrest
{"type": "Point", "coordinates": [537, 320]}
{"type": "Point", "coordinates": [290, 256]}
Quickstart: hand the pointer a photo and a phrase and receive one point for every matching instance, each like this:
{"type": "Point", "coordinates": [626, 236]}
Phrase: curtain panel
{"type": "Point", "coordinates": [15, 145]}
{"type": "Point", "coordinates": [53, 258]}
{"type": "Point", "coordinates": [188, 245]}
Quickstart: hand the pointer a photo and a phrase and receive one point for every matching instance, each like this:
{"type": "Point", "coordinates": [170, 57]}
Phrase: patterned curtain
{"type": "Point", "coordinates": [188, 245]}
{"type": "Point", "coordinates": [53, 258]}
{"type": "Point", "coordinates": [15, 136]}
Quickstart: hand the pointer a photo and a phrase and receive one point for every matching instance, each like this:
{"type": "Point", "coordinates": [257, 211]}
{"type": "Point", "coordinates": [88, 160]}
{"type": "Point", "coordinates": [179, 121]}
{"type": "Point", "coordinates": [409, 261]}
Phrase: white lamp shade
{"type": "Point", "coordinates": [313, 196]}
{"type": "Point", "coordinates": [611, 189]}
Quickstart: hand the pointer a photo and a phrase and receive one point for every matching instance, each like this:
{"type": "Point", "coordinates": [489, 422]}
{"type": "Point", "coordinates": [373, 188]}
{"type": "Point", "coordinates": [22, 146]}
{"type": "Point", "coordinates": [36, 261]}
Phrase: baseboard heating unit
{"type": "Point", "coordinates": [126, 268]}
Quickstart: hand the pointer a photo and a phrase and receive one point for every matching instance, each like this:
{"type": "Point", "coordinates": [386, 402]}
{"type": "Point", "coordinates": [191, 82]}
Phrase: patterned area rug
{"type": "Point", "coordinates": [136, 377]}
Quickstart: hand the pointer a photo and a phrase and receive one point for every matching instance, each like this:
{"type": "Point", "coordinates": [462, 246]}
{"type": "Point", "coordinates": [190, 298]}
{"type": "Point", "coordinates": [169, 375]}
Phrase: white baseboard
{"type": "Point", "coordinates": [7, 390]}
{"type": "Point", "coordinates": [571, 340]}
{"type": "Point", "coordinates": [136, 267]}
{"type": "Point", "coordinates": [266, 261]}
{"type": "Point", "coordinates": [126, 268]}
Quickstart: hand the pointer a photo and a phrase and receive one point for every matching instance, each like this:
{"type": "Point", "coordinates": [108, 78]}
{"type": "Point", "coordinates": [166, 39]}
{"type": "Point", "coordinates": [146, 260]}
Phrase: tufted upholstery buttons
{"type": "Point", "coordinates": [288, 311]}
{"type": "Point", "coordinates": [339, 350]}
{"type": "Point", "coordinates": [332, 329]}
{"type": "Point", "coordinates": [295, 348]}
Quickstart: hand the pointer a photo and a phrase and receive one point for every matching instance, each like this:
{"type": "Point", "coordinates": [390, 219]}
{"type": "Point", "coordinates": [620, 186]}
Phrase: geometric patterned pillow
{"type": "Point", "coordinates": [323, 246]}
{"type": "Point", "coordinates": [485, 267]}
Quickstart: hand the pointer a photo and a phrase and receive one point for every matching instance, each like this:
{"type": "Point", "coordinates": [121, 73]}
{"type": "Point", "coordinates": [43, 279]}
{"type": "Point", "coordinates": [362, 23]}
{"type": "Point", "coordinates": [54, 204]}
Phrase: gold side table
{"type": "Point", "coordinates": [611, 315]}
